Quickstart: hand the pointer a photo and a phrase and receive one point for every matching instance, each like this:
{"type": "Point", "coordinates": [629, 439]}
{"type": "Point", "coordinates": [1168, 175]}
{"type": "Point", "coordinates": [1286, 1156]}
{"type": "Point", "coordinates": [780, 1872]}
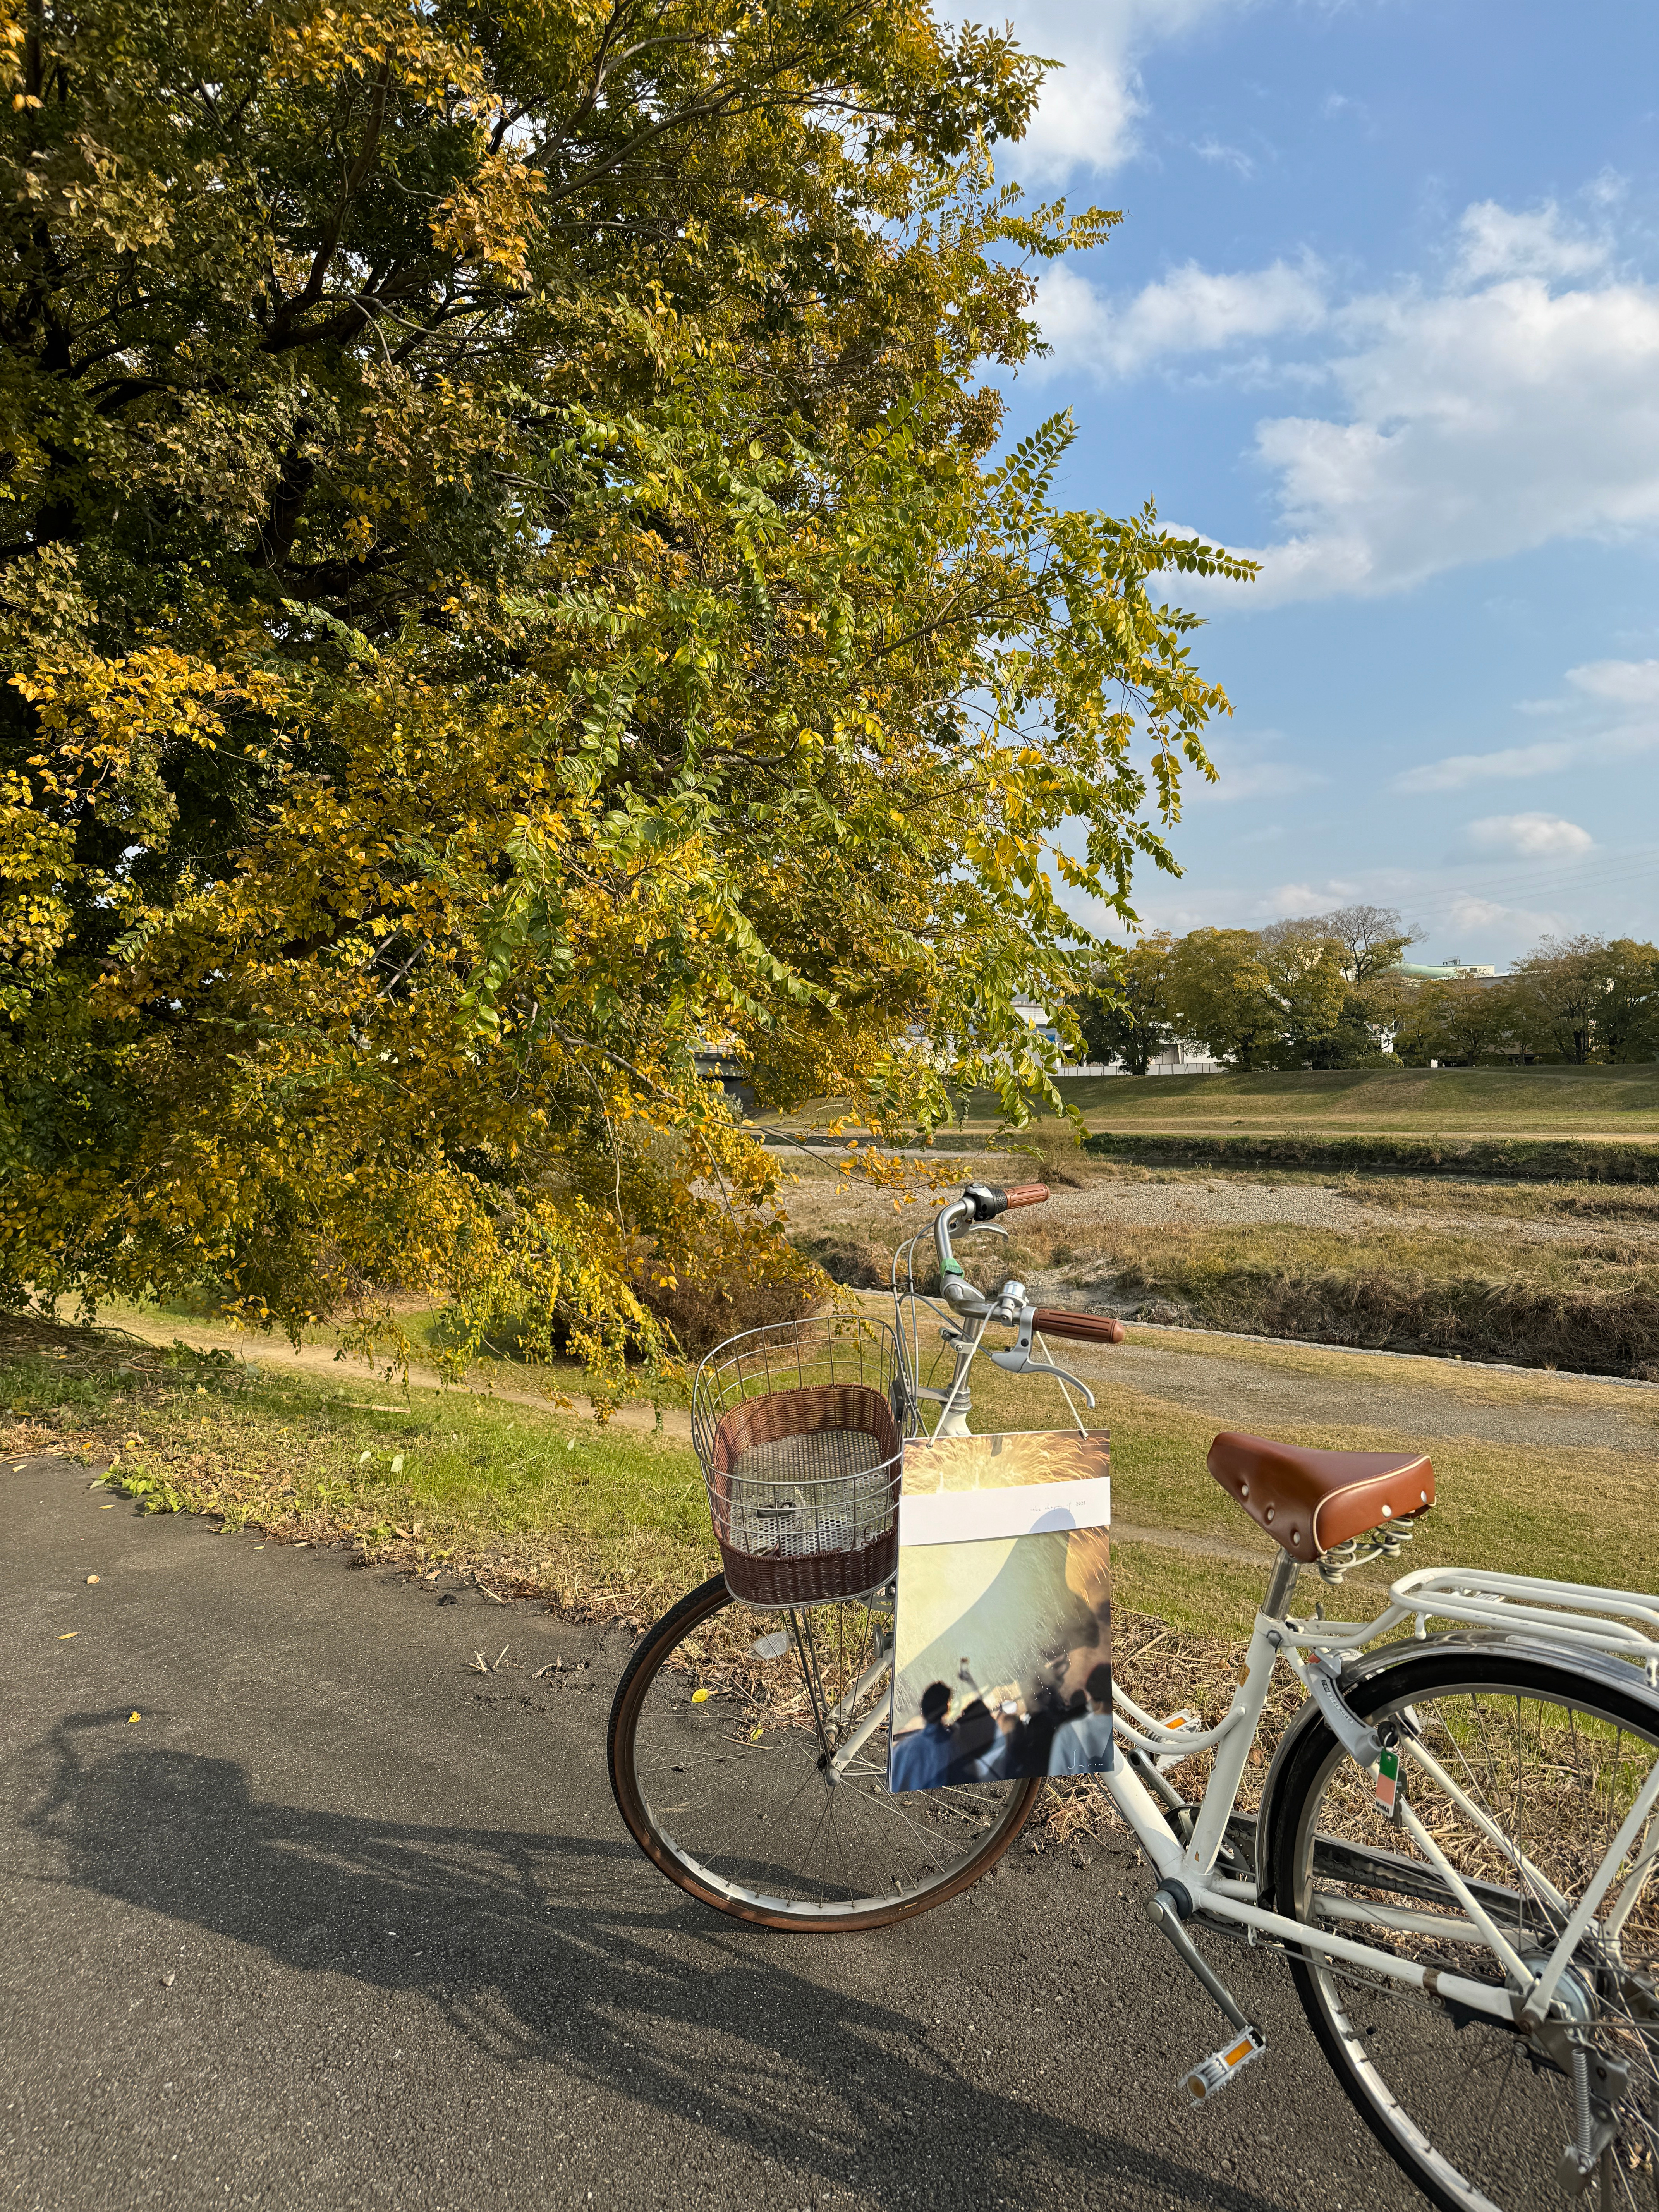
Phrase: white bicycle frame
{"type": "Point", "coordinates": [1573, 1617]}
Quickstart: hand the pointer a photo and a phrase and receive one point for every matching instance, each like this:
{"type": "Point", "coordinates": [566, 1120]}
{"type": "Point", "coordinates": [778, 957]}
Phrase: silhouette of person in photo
{"type": "Point", "coordinates": [1045, 1713]}
{"type": "Point", "coordinates": [972, 1739]}
{"type": "Point", "coordinates": [1006, 1758]}
{"type": "Point", "coordinates": [922, 1759]}
{"type": "Point", "coordinates": [1083, 1744]}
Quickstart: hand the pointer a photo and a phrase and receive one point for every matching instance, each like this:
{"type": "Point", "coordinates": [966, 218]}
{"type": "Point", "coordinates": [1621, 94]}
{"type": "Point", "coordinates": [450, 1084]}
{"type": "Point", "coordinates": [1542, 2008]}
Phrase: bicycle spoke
{"type": "Point", "coordinates": [733, 1755]}
{"type": "Point", "coordinates": [1482, 2112]}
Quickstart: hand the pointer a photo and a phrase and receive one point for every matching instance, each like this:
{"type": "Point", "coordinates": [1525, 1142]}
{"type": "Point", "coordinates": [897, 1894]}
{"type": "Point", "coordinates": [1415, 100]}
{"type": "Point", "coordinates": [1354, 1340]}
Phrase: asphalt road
{"type": "Point", "coordinates": [338, 1923]}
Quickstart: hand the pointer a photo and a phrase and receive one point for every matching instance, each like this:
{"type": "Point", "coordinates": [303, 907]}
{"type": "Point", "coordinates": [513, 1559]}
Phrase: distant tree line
{"type": "Point", "coordinates": [1328, 991]}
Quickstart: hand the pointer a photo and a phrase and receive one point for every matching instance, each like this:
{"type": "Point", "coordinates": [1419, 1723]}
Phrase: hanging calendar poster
{"type": "Point", "coordinates": [1002, 1665]}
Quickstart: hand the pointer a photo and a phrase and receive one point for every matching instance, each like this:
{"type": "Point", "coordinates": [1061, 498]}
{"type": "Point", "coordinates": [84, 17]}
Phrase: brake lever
{"type": "Point", "coordinates": [1017, 1360]}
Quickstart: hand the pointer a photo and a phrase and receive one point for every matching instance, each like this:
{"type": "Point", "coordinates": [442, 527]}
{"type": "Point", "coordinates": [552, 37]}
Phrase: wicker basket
{"type": "Point", "coordinates": [802, 1453]}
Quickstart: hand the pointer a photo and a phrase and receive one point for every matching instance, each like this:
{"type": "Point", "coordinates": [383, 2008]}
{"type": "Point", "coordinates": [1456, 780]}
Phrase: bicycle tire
{"type": "Point", "coordinates": [1501, 2106]}
{"type": "Point", "coordinates": [953, 1839]}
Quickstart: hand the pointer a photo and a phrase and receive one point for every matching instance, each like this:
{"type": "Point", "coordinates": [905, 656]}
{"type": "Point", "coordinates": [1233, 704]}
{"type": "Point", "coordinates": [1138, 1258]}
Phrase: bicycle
{"type": "Point", "coordinates": [1455, 1847]}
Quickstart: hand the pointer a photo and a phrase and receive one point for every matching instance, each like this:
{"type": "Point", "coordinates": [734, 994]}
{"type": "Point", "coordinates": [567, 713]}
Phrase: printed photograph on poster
{"type": "Point", "coordinates": [1002, 1664]}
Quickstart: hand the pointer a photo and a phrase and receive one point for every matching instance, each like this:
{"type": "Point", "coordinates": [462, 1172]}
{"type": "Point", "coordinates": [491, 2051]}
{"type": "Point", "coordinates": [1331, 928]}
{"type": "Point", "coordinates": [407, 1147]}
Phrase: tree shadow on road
{"type": "Point", "coordinates": [567, 1950]}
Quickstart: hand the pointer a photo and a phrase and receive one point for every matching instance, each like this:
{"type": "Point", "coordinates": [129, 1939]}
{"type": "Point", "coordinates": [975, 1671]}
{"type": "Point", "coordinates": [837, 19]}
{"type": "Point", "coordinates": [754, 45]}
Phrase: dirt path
{"type": "Point", "coordinates": [1427, 1398]}
{"type": "Point", "coordinates": [1234, 1385]}
{"type": "Point", "coordinates": [318, 1359]}
{"type": "Point", "coordinates": [1222, 1202]}
{"type": "Point", "coordinates": [276, 1356]}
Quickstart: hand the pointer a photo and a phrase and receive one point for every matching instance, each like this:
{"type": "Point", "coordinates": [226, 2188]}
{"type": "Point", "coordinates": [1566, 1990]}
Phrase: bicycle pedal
{"type": "Point", "coordinates": [1212, 2075]}
{"type": "Point", "coordinates": [1184, 1719]}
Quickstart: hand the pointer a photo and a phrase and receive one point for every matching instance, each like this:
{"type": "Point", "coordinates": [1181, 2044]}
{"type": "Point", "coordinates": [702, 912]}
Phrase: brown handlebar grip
{"type": "Point", "coordinates": [1028, 1193]}
{"type": "Point", "coordinates": [1083, 1328]}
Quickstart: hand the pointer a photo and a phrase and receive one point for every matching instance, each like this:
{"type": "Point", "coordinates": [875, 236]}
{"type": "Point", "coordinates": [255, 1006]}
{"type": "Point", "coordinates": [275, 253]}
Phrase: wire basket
{"type": "Point", "coordinates": [802, 1450]}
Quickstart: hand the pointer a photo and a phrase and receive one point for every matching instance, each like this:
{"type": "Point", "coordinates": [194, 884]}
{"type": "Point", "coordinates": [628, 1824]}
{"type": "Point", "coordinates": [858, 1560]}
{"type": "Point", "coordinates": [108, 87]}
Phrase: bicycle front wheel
{"type": "Point", "coordinates": [749, 1759]}
{"type": "Point", "coordinates": [1533, 1767]}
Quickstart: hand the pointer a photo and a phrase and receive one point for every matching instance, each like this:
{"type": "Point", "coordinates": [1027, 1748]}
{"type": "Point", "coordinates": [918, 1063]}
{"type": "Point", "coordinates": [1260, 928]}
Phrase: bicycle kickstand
{"type": "Point", "coordinates": [1168, 1908]}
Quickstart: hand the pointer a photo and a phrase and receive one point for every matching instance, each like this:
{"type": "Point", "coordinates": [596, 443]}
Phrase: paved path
{"type": "Point", "coordinates": [338, 1923]}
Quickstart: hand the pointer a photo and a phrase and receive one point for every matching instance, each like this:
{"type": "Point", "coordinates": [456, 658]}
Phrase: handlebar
{"type": "Point", "coordinates": [979, 1204]}
{"type": "Point", "coordinates": [1082, 1329]}
{"type": "Point", "coordinates": [988, 1199]}
{"type": "Point", "coordinates": [1027, 1193]}
{"type": "Point", "coordinates": [977, 1208]}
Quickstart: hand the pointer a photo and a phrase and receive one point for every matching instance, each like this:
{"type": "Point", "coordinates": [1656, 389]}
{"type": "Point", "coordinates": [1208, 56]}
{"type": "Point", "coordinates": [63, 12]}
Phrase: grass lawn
{"type": "Point", "coordinates": [1606, 1103]}
{"type": "Point", "coordinates": [605, 1522]}
{"type": "Point", "coordinates": [1470, 1102]}
{"type": "Point", "coordinates": [596, 1520]}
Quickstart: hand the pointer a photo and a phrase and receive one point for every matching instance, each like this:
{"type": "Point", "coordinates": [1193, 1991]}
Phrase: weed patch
{"type": "Point", "coordinates": [1537, 1160]}
{"type": "Point", "coordinates": [1591, 1306]}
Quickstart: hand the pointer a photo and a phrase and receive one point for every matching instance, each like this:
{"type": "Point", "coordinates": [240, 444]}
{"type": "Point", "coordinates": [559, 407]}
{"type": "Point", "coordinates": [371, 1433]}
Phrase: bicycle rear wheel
{"type": "Point", "coordinates": [1550, 1756]}
{"type": "Point", "coordinates": [748, 1755]}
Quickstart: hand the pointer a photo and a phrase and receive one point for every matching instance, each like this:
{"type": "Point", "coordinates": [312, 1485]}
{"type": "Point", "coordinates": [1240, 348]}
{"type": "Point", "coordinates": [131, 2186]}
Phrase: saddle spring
{"type": "Point", "coordinates": [1387, 1542]}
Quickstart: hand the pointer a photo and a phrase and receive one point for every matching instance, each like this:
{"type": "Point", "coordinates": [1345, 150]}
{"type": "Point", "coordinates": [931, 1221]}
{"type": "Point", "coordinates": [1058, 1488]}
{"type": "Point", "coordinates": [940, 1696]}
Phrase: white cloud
{"type": "Point", "coordinates": [1590, 739]}
{"type": "Point", "coordinates": [1230, 157]}
{"type": "Point", "coordinates": [1296, 901]}
{"type": "Point", "coordinates": [1459, 770]}
{"type": "Point", "coordinates": [1092, 107]}
{"type": "Point", "coordinates": [1189, 311]}
{"type": "Point", "coordinates": [1497, 241]}
{"type": "Point", "coordinates": [1628, 683]}
{"type": "Point", "coordinates": [1532, 836]}
{"type": "Point", "coordinates": [1511, 407]}
{"type": "Point", "coordinates": [1517, 926]}
{"type": "Point", "coordinates": [1246, 770]}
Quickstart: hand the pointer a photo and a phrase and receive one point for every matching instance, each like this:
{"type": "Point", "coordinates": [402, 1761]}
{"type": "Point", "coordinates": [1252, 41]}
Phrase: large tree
{"type": "Point", "coordinates": [1124, 1014]}
{"type": "Point", "coordinates": [1558, 993]}
{"type": "Point", "coordinates": [1371, 937]}
{"type": "Point", "coordinates": [1457, 1021]}
{"type": "Point", "coordinates": [506, 588]}
{"type": "Point", "coordinates": [1307, 980]}
{"type": "Point", "coordinates": [1588, 1000]}
{"type": "Point", "coordinates": [1222, 994]}
{"type": "Point", "coordinates": [1627, 1021]}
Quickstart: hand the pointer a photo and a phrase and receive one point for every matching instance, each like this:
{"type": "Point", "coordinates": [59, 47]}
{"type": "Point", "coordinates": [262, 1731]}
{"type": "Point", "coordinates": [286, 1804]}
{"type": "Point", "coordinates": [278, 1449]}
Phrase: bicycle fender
{"type": "Point", "coordinates": [1307, 1715]}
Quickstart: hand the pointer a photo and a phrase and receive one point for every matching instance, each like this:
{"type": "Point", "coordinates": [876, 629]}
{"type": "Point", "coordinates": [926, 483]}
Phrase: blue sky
{"type": "Point", "coordinates": [1384, 312]}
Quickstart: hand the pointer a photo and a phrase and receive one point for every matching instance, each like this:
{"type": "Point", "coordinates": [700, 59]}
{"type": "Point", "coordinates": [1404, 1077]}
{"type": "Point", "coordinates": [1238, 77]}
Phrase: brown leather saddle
{"type": "Point", "coordinates": [1311, 1501]}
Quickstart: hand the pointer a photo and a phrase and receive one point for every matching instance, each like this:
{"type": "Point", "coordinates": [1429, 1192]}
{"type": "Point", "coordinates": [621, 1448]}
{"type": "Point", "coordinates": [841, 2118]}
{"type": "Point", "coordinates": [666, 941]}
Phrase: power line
{"type": "Point", "coordinates": [1612, 873]}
